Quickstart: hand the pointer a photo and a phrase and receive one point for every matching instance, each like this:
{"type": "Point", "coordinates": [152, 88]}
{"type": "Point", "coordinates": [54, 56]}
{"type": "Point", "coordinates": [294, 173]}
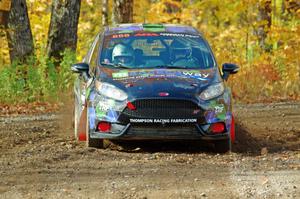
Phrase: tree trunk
{"type": "Point", "coordinates": [62, 32]}
{"type": "Point", "coordinates": [104, 12]}
{"type": "Point", "coordinates": [264, 16]}
{"type": "Point", "coordinates": [122, 11]}
{"type": "Point", "coordinates": [18, 32]}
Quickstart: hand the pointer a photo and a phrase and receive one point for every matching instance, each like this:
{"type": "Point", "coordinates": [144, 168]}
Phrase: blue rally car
{"type": "Point", "coordinates": [152, 81]}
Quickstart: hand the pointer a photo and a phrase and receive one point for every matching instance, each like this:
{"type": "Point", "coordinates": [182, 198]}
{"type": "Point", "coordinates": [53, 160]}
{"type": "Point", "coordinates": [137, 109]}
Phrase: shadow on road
{"type": "Point", "coordinates": [252, 142]}
{"type": "Point", "coordinates": [162, 146]}
{"type": "Point", "coordinates": [247, 142]}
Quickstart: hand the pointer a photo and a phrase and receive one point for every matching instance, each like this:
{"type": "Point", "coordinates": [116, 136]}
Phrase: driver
{"type": "Point", "coordinates": [123, 55]}
{"type": "Point", "coordinates": [181, 55]}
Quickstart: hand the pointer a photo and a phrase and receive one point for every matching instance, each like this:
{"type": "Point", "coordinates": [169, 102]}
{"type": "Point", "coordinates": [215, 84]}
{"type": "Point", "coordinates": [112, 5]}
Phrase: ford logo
{"type": "Point", "coordinates": [163, 94]}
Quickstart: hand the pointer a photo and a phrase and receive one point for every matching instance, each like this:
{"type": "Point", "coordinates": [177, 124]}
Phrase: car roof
{"type": "Point", "coordinates": [147, 27]}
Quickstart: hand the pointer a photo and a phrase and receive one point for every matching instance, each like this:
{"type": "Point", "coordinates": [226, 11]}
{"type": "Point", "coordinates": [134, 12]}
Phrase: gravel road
{"type": "Point", "coordinates": [40, 159]}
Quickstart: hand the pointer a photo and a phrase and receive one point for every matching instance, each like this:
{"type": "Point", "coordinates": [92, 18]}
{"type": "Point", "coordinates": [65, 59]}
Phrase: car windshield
{"type": "Point", "coordinates": [156, 50]}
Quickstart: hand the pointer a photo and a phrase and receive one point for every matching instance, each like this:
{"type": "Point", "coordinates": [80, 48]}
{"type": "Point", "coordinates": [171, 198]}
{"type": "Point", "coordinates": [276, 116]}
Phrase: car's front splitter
{"type": "Point", "coordinates": [129, 131]}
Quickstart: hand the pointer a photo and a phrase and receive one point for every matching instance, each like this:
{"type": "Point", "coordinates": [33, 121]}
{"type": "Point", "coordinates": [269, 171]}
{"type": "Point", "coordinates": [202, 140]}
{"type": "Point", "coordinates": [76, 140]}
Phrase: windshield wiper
{"type": "Point", "coordinates": [169, 66]}
{"type": "Point", "coordinates": [118, 65]}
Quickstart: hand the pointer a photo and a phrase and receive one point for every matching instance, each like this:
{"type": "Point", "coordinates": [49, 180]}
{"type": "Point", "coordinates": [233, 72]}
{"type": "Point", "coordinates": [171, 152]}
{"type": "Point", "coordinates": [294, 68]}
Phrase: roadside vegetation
{"type": "Point", "coordinates": [37, 79]}
{"type": "Point", "coordinates": [262, 37]}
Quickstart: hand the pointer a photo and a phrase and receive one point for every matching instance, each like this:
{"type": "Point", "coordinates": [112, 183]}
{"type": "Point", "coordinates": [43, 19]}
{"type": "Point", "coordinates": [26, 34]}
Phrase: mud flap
{"type": "Point", "coordinates": [232, 130]}
{"type": "Point", "coordinates": [82, 125]}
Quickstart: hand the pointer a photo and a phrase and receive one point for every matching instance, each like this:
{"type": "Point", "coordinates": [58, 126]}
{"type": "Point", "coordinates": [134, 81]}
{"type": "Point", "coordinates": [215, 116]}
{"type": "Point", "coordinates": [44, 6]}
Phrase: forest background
{"type": "Point", "coordinates": [261, 36]}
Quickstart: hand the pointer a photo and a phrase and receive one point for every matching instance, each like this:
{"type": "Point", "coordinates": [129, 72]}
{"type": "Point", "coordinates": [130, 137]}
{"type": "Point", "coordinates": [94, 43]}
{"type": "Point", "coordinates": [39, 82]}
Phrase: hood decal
{"type": "Point", "coordinates": [163, 73]}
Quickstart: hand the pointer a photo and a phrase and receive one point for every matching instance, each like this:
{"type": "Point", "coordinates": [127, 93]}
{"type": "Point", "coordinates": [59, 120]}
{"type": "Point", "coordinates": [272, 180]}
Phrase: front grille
{"type": "Point", "coordinates": [163, 109]}
{"type": "Point", "coordinates": [163, 131]}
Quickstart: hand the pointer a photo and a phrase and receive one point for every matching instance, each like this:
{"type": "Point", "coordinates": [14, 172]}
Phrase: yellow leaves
{"type": "Point", "coordinates": [39, 15]}
{"type": "Point", "coordinates": [5, 5]}
{"type": "Point", "coordinates": [89, 25]}
{"type": "Point", "coordinates": [90, 2]}
{"type": "Point", "coordinates": [140, 10]}
{"type": "Point", "coordinates": [165, 11]}
{"type": "Point", "coordinates": [4, 53]}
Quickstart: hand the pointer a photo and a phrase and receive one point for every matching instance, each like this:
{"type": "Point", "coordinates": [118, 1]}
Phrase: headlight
{"type": "Point", "coordinates": [110, 91]}
{"type": "Point", "coordinates": [212, 91]}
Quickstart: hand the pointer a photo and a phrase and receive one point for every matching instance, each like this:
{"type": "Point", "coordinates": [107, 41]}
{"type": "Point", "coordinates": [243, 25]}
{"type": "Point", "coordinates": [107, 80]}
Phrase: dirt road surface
{"type": "Point", "coordinates": [40, 159]}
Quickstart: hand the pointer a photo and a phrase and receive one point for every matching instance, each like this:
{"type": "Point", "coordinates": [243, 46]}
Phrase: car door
{"type": "Point", "coordinates": [81, 84]}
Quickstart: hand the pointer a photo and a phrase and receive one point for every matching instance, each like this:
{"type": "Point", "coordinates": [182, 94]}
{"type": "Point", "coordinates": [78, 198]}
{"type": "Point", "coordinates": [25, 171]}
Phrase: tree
{"type": "Point", "coordinates": [62, 32]}
{"type": "Point", "coordinates": [104, 12]}
{"type": "Point", "coordinates": [265, 20]}
{"type": "Point", "coordinates": [122, 11]}
{"type": "Point", "coordinates": [18, 31]}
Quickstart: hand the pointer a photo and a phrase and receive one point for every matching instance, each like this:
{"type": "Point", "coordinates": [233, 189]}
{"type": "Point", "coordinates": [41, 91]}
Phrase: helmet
{"type": "Point", "coordinates": [123, 54]}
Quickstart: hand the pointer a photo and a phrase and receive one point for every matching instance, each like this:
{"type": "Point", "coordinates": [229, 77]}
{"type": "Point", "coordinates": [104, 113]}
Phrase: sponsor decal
{"type": "Point", "coordinates": [120, 75]}
{"type": "Point", "coordinates": [179, 35]}
{"type": "Point", "coordinates": [105, 105]}
{"type": "Point", "coordinates": [161, 73]}
{"type": "Point", "coordinates": [146, 34]}
{"type": "Point", "coordinates": [216, 112]}
{"type": "Point", "coordinates": [100, 113]}
{"type": "Point", "coordinates": [219, 108]}
{"type": "Point", "coordinates": [116, 36]}
{"type": "Point", "coordinates": [196, 74]}
{"type": "Point", "coordinates": [163, 121]}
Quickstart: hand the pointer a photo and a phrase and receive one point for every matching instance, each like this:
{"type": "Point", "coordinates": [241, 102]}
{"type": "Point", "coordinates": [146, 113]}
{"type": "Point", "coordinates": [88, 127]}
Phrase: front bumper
{"type": "Point", "coordinates": [132, 124]}
{"type": "Point", "coordinates": [133, 132]}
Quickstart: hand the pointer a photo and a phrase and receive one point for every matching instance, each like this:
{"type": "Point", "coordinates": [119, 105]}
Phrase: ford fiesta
{"type": "Point", "coordinates": [152, 81]}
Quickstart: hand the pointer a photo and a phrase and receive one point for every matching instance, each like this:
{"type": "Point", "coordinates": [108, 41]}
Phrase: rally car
{"type": "Point", "coordinates": [152, 81]}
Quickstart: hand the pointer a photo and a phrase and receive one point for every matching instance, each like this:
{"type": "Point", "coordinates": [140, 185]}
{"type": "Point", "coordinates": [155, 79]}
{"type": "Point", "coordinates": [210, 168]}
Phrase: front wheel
{"type": "Point", "coordinates": [222, 146]}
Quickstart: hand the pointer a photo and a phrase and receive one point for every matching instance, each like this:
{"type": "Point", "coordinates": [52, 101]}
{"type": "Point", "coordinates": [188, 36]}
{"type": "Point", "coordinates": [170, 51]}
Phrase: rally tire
{"type": "Point", "coordinates": [222, 146]}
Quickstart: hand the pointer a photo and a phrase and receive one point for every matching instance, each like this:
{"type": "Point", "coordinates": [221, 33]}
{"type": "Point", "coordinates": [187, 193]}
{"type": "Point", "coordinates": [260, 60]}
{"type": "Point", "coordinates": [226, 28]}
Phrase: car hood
{"type": "Point", "coordinates": [156, 83]}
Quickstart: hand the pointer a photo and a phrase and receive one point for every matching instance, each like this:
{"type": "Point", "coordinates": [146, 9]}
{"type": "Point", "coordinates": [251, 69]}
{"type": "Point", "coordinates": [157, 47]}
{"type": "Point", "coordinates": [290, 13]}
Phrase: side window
{"type": "Point", "coordinates": [93, 62]}
{"type": "Point", "coordinates": [87, 57]}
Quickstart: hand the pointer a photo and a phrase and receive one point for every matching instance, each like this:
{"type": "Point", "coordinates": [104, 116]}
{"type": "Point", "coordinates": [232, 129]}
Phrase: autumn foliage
{"type": "Point", "coordinates": [262, 37]}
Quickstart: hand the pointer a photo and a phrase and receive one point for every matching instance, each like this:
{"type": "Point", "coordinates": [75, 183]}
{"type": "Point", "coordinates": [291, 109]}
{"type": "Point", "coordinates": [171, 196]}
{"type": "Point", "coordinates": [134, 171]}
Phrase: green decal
{"type": "Point", "coordinates": [212, 104]}
{"type": "Point", "coordinates": [219, 109]}
{"type": "Point", "coordinates": [221, 116]}
{"type": "Point", "coordinates": [100, 113]}
{"type": "Point", "coordinates": [120, 74]}
{"type": "Point", "coordinates": [154, 27]}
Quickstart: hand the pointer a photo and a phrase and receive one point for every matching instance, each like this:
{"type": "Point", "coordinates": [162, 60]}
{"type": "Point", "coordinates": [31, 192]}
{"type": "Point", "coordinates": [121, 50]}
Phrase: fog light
{"type": "Point", "coordinates": [131, 106]}
{"type": "Point", "coordinates": [217, 127]}
{"type": "Point", "coordinates": [104, 126]}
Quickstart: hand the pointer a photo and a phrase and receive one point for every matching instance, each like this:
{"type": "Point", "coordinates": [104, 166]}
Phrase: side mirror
{"type": "Point", "coordinates": [83, 69]}
{"type": "Point", "coordinates": [228, 69]}
{"type": "Point", "coordinates": [80, 68]}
